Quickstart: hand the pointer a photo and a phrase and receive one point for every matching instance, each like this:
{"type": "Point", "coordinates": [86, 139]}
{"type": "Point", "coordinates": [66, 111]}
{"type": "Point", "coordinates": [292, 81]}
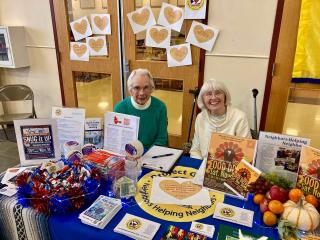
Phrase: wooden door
{"type": "Point", "coordinates": [172, 84]}
{"type": "Point", "coordinates": [96, 84]}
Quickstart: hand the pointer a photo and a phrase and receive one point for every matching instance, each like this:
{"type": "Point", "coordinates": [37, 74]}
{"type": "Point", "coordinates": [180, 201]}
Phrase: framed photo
{"type": "Point", "coordinates": [87, 4]}
{"type": "Point", "coordinates": [37, 141]}
{"type": "Point", "coordinates": [157, 3]}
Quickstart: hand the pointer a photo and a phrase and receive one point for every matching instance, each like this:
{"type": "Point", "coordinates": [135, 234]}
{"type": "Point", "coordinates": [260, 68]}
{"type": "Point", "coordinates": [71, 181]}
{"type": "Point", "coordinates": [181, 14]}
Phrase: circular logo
{"type": "Point", "coordinates": [195, 4]}
{"type": "Point", "coordinates": [198, 226]}
{"type": "Point", "coordinates": [133, 224]}
{"type": "Point", "coordinates": [58, 112]}
{"type": "Point", "coordinates": [227, 212]}
{"type": "Point", "coordinates": [172, 212]}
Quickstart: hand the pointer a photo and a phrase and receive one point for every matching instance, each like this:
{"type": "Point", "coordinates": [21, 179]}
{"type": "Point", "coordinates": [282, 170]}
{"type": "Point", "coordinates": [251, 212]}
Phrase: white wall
{"type": "Point", "coordinates": [240, 56]}
{"type": "Point", "coordinates": [42, 75]}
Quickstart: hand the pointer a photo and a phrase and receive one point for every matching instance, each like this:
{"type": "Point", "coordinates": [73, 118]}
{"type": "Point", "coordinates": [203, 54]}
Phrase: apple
{"type": "Point", "coordinates": [278, 193]}
{"type": "Point", "coordinates": [264, 205]}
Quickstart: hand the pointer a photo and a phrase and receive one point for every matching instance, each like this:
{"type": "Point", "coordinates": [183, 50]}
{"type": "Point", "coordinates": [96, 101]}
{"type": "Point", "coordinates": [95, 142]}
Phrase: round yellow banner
{"type": "Point", "coordinates": [172, 212]}
{"type": "Point", "coordinates": [195, 4]}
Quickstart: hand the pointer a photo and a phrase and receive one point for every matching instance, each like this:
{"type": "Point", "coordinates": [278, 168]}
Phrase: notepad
{"type": "Point", "coordinates": [160, 158]}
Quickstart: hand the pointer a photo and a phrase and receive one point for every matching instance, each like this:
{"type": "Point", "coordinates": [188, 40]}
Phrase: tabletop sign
{"type": "Point", "coordinates": [173, 212]}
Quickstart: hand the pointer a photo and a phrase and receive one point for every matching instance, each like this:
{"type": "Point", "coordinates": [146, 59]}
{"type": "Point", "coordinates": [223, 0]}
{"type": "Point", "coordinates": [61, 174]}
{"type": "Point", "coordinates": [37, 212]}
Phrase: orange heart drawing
{"type": "Point", "coordinates": [79, 50]}
{"type": "Point", "coordinates": [201, 34]}
{"type": "Point", "coordinates": [179, 53]}
{"type": "Point", "coordinates": [81, 27]}
{"type": "Point", "coordinates": [171, 15]}
{"type": "Point", "coordinates": [96, 45]}
{"type": "Point", "coordinates": [158, 35]}
{"type": "Point", "coordinates": [179, 190]}
{"type": "Point", "coordinates": [141, 18]}
{"type": "Point", "coordinates": [101, 22]}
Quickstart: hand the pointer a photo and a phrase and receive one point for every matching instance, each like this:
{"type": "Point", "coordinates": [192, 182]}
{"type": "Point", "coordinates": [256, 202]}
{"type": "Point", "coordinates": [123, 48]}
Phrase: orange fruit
{"type": "Point", "coordinates": [295, 194]}
{"type": "Point", "coordinates": [276, 206]}
{"type": "Point", "coordinates": [269, 218]}
{"type": "Point", "coordinates": [312, 199]}
{"type": "Point", "coordinates": [258, 198]}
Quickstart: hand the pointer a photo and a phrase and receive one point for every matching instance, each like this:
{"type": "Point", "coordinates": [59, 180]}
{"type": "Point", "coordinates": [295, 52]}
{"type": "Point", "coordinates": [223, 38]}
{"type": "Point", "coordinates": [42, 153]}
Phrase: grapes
{"type": "Point", "coordinates": [261, 185]}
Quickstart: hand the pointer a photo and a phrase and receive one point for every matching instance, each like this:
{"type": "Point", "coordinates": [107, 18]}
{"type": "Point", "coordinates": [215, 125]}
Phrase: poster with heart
{"type": "Point", "coordinates": [195, 9]}
{"type": "Point", "coordinates": [97, 46]}
{"type": "Point", "coordinates": [80, 28]}
{"type": "Point", "coordinates": [202, 35]}
{"type": "Point", "coordinates": [171, 16]}
{"type": "Point", "coordinates": [158, 36]}
{"type": "Point", "coordinates": [179, 191]}
{"type": "Point", "coordinates": [100, 24]}
{"type": "Point", "coordinates": [141, 19]}
{"type": "Point", "coordinates": [179, 55]}
{"type": "Point", "coordinates": [79, 51]}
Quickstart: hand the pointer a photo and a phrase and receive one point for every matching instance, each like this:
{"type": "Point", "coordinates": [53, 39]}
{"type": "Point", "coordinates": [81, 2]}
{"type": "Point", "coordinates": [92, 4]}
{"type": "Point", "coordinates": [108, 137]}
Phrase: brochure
{"type": "Point", "coordinates": [225, 152]}
{"type": "Point", "coordinates": [309, 171]}
{"type": "Point", "coordinates": [175, 233]}
{"type": "Point", "coordinates": [280, 154]}
{"type": "Point", "coordinates": [119, 129]}
{"type": "Point", "coordinates": [231, 233]}
{"type": "Point", "coordinates": [93, 131]}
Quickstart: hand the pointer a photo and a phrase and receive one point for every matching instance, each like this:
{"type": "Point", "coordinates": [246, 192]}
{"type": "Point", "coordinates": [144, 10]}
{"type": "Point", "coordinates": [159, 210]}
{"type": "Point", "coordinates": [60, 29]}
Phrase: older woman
{"type": "Point", "coordinates": [152, 111]}
{"type": "Point", "coordinates": [216, 116]}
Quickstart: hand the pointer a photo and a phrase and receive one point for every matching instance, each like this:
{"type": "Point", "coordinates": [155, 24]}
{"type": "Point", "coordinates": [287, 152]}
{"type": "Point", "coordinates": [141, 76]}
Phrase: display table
{"type": "Point", "coordinates": [60, 227]}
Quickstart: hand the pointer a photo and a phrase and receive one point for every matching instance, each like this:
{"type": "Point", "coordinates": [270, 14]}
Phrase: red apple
{"type": "Point", "coordinates": [264, 205]}
{"type": "Point", "coordinates": [278, 193]}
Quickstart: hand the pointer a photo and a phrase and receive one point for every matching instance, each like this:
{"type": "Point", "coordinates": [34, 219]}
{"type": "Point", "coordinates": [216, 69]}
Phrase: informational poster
{"type": "Point", "coordinates": [119, 129]}
{"type": "Point", "coordinates": [195, 9]}
{"type": "Point", "coordinates": [37, 140]}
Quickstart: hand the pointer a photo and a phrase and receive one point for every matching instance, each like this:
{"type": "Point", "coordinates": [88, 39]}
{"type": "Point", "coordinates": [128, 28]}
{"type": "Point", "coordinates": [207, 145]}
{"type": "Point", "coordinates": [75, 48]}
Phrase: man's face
{"type": "Point", "coordinates": [141, 89]}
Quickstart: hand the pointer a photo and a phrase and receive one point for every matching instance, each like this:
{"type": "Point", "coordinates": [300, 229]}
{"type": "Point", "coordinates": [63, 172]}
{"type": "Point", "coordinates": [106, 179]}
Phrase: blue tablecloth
{"type": "Point", "coordinates": [70, 227]}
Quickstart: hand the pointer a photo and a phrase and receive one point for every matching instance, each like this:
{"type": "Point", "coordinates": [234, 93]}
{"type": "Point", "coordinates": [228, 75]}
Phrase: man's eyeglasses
{"type": "Point", "coordinates": [144, 89]}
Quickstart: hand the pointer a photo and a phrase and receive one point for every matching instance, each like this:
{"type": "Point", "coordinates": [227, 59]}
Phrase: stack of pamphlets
{"type": "Point", "coordinates": [137, 227]}
{"type": "Point", "coordinates": [101, 211]}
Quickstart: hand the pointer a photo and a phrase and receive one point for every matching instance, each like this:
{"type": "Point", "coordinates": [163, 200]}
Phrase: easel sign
{"type": "Point", "coordinates": [37, 141]}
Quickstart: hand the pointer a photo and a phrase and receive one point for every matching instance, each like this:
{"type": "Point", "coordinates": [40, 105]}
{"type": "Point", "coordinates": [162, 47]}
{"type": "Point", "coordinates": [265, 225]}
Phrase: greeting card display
{"type": "Point", "coordinates": [158, 37]}
{"type": "Point", "coordinates": [179, 55]}
{"type": "Point", "coordinates": [141, 19]}
{"type": "Point", "coordinates": [202, 35]}
{"type": "Point", "coordinates": [100, 24]}
{"type": "Point", "coordinates": [195, 9]}
{"type": "Point", "coordinates": [97, 46]}
{"type": "Point", "coordinates": [225, 153]}
{"type": "Point", "coordinates": [171, 16]}
{"type": "Point", "coordinates": [37, 140]}
{"type": "Point", "coordinates": [80, 28]}
{"type": "Point", "coordinates": [79, 51]}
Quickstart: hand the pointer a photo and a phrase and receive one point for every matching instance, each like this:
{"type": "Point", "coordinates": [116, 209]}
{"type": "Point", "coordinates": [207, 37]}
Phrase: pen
{"type": "Point", "coordinates": [163, 155]}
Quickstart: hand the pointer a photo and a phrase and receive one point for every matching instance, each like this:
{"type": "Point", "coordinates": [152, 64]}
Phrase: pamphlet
{"type": "Point", "coordinates": [203, 229]}
{"type": "Point", "coordinates": [93, 131]}
{"type": "Point", "coordinates": [225, 152]}
{"type": "Point", "coordinates": [119, 129]}
{"type": "Point", "coordinates": [280, 154]}
{"type": "Point", "coordinates": [309, 171]}
{"type": "Point", "coordinates": [227, 232]}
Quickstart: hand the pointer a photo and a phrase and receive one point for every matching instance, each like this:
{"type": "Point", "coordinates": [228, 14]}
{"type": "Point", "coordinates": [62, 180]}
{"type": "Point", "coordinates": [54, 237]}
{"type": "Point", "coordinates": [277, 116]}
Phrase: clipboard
{"type": "Point", "coordinates": [160, 158]}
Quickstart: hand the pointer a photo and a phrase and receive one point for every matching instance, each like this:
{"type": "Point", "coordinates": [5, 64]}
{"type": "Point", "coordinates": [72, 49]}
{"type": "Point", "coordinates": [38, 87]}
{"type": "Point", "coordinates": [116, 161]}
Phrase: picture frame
{"type": "Point", "coordinates": [157, 3]}
{"type": "Point", "coordinates": [87, 4]}
{"type": "Point", "coordinates": [37, 141]}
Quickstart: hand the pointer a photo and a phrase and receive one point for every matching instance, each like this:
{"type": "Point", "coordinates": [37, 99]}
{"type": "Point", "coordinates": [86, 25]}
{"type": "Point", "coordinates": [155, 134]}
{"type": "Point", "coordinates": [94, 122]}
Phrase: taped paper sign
{"type": "Point", "coordinates": [80, 28]}
{"type": "Point", "coordinates": [101, 24]}
{"type": "Point", "coordinates": [158, 37]}
{"type": "Point", "coordinates": [195, 9]}
{"type": "Point", "coordinates": [79, 51]}
{"type": "Point", "coordinates": [179, 55]}
{"type": "Point", "coordinates": [141, 19]}
{"type": "Point", "coordinates": [97, 46]}
{"type": "Point", "coordinates": [171, 16]}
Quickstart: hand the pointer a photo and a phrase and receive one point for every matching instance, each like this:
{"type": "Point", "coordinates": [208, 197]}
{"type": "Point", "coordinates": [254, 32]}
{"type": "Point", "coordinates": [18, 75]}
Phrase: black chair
{"type": "Point", "coordinates": [11, 93]}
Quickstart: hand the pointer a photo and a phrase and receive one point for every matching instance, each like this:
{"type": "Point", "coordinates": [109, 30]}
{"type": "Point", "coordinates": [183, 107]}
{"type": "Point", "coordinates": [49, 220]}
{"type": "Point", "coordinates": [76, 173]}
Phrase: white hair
{"type": "Point", "coordinates": [213, 85]}
{"type": "Point", "coordinates": [139, 72]}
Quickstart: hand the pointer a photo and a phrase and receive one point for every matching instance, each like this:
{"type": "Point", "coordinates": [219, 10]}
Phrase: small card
{"type": "Point", "coordinates": [195, 9]}
{"type": "Point", "coordinates": [8, 191]}
{"type": "Point", "coordinates": [79, 51]}
{"type": "Point", "coordinates": [202, 35]}
{"type": "Point", "coordinates": [171, 16]}
{"type": "Point", "coordinates": [80, 28]}
{"type": "Point", "coordinates": [141, 19]}
{"type": "Point", "coordinates": [101, 24]}
{"type": "Point", "coordinates": [233, 214]}
{"type": "Point", "coordinates": [201, 228]}
{"type": "Point", "coordinates": [158, 37]}
{"type": "Point", "coordinates": [97, 46]}
{"type": "Point", "coordinates": [179, 55]}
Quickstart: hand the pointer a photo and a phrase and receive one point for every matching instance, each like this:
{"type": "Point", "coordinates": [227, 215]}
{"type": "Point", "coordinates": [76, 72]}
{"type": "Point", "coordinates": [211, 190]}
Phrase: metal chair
{"type": "Point", "coordinates": [16, 92]}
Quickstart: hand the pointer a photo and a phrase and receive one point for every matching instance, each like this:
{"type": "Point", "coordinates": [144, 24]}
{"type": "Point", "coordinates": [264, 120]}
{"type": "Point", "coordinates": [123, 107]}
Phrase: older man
{"type": "Point", "coordinates": [152, 111]}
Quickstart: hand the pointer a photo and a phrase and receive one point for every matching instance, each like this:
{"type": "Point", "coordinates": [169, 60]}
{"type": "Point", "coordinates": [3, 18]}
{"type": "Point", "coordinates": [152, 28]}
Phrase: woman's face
{"type": "Point", "coordinates": [141, 89]}
{"type": "Point", "coordinates": [214, 101]}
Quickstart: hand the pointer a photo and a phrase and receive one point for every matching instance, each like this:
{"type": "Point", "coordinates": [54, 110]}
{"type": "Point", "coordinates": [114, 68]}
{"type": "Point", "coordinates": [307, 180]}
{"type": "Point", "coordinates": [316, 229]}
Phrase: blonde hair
{"type": "Point", "coordinates": [139, 72]}
{"type": "Point", "coordinates": [213, 85]}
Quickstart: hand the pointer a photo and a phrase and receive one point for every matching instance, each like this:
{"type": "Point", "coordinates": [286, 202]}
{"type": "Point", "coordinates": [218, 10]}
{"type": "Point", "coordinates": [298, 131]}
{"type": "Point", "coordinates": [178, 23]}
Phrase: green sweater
{"type": "Point", "coordinates": [153, 121]}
